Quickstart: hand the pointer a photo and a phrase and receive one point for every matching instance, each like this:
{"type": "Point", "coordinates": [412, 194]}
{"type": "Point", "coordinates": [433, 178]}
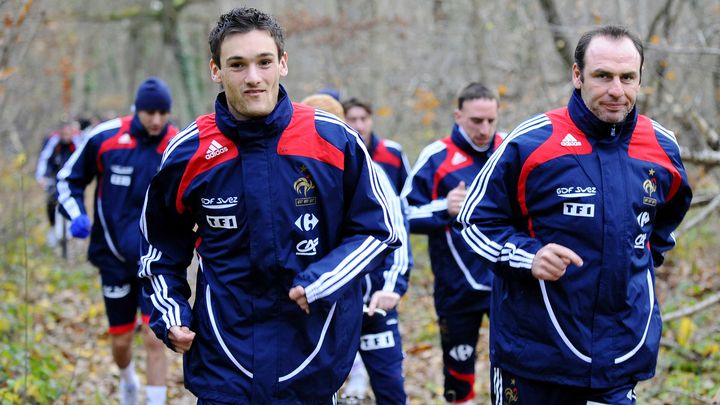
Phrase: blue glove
{"type": "Point", "coordinates": [80, 227]}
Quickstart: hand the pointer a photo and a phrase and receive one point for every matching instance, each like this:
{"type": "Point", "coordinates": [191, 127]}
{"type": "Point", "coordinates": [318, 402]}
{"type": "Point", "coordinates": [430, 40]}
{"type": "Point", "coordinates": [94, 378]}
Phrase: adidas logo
{"type": "Point", "coordinates": [457, 158]}
{"type": "Point", "coordinates": [570, 140]}
{"type": "Point", "coordinates": [214, 150]}
{"type": "Point", "coordinates": [125, 139]}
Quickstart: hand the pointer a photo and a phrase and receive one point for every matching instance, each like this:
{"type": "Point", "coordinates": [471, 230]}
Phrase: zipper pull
{"type": "Point", "coordinates": [612, 131]}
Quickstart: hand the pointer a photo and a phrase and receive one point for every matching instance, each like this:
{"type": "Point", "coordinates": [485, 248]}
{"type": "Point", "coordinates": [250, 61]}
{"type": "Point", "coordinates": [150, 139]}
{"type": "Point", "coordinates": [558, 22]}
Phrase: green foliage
{"type": "Point", "coordinates": [688, 370]}
{"type": "Point", "coordinates": [31, 369]}
{"type": "Point", "coordinates": [43, 382]}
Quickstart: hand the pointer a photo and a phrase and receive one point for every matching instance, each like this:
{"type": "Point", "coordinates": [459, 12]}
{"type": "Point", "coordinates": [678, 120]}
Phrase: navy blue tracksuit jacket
{"type": "Point", "coordinates": [123, 158]}
{"type": "Point", "coordinates": [268, 204]}
{"type": "Point", "coordinates": [462, 284]}
{"type": "Point", "coordinates": [613, 193]}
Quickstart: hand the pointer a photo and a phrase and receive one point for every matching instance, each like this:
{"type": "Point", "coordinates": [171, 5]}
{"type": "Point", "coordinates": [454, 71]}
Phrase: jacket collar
{"type": "Point", "coordinates": [460, 138]}
{"type": "Point", "coordinates": [592, 126]}
{"type": "Point", "coordinates": [374, 142]}
{"type": "Point", "coordinates": [268, 126]}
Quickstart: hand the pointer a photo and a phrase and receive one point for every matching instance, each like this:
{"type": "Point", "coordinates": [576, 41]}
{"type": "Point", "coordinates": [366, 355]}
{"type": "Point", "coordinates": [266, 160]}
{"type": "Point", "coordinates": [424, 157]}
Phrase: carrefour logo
{"type": "Point", "coordinates": [306, 222]}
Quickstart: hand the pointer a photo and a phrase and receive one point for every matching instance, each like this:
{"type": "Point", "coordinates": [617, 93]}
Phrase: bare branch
{"type": "Point", "coordinates": [668, 19]}
{"type": "Point", "coordinates": [663, 12]}
{"type": "Point", "coordinates": [684, 50]}
{"type": "Point", "coordinates": [706, 130]}
{"type": "Point", "coordinates": [700, 217]}
{"type": "Point", "coordinates": [119, 15]}
{"type": "Point", "coordinates": [713, 299]}
{"type": "Point", "coordinates": [701, 157]}
{"type": "Point", "coordinates": [688, 354]}
{"type": "Point", "coordinates": [716, 85]}
{"type": "Point", "coordinates": [701, 200]}
{"type": "Point", "coordinates": [692, 395]}
{"type": "Point", "coordinates": [135, 11]}
{"type": "Point", "coordinates": [180, 4]}
{"type": "Point", "coordinates": [707, 333]}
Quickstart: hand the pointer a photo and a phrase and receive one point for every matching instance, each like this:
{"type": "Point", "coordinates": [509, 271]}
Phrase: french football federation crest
{"type": "Point", "coordinates": [304, 186]}
{"type": "Point", "coordinates": [650, 187]}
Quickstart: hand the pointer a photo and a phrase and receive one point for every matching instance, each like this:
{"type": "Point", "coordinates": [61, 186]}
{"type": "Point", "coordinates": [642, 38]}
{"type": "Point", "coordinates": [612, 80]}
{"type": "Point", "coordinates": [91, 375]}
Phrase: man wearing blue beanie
{"type": "Point", "coordinates": [122, 155]}
{"type": "Point", "coordinates": [153, 95]}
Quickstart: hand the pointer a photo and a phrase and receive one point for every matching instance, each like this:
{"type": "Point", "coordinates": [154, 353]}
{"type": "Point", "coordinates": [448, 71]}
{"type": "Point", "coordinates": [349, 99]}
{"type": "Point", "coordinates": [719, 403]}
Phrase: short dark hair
{"type": "Point", "coordinates": [474, 91]}
{"type": "Point", "coordinates": [610, 31]}
{"type": "Point", "coordinates": [242, 20]}
{"type": "Point", "coordinates": [354, 102]}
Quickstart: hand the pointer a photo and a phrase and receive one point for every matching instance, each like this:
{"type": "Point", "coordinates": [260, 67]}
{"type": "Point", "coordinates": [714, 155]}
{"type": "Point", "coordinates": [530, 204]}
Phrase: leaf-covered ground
{"type": "Point", "coordinates": [54, 346]}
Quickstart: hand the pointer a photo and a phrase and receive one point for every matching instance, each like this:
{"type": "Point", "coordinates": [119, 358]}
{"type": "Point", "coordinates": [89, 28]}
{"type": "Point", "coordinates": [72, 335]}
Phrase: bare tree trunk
{"type": "Point", "coordinates": [478, 35]}
{"type": "Point", "coordinates": [173, 37]}
{"type": "Point", "coordinates": [12, 54]}
{"type": "Point", "coordinates": [135, 38]}
{"type": "Point", "coordinates": [668, 18]}
{"type": "Point", "coordinates": [438, 12]}
{"type": "Point", "coordinates": [562, 43]}
{"type": "Point", "coordinates": [716, 91]}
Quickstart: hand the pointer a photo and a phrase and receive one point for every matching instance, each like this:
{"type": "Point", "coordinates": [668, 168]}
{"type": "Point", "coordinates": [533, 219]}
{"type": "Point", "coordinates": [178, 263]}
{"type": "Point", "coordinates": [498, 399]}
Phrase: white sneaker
{"type": "Point", "coordinates": [129, 392]}
{"type": "Point", "coordinates": [52, 239]}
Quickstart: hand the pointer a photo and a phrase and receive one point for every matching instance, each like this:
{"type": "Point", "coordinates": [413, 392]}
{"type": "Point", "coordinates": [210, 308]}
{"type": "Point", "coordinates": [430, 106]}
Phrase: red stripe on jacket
{"type": "Point", "coordinates": [300, 138]}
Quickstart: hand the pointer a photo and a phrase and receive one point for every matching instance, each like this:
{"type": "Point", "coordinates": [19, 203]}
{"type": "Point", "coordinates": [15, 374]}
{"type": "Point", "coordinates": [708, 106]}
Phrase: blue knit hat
{"type": "Point", "coordinates": [330, 91]}
{"type": "Point", "coordinates": [153, 95]}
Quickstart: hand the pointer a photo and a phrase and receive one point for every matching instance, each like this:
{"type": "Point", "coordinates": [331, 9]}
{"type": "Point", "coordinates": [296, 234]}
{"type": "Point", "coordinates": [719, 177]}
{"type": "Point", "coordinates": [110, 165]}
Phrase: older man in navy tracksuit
{"type": "Point", "coordinates": [574, 212]}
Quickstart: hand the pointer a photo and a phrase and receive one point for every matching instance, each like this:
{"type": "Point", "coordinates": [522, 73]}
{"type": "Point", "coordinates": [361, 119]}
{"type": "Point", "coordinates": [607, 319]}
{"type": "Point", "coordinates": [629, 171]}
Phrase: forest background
{"type": "Point", "coordinates": [409, 58]}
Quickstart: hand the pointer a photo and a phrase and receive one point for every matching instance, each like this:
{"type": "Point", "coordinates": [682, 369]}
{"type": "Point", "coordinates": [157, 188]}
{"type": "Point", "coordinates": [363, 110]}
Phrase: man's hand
{"type": "Point", "coordinates": [181, 338]}
{"type": "Point", "coordinates": [455, 198]}
{"type": "Point", "coordinates": [385, 300]}
{"type": "Point", "coordinates": [80, 227]}
{"type": "Point", "coordinates": [551, 261]}
{"type": "Point", "coordinates": [297, 294]}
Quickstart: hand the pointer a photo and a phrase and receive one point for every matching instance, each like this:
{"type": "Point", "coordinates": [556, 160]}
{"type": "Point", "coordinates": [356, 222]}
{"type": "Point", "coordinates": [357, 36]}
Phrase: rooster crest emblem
{"type": "Point", "coordinates": [649, 186]}
{"type": "Point", "coordinates": [511, 395]}
{"type": "Point", "coordinates": [303, 185]}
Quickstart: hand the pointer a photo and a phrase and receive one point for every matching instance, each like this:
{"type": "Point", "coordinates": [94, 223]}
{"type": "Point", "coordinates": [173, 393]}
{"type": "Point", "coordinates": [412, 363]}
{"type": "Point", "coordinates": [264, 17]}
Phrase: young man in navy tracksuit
{"type": "Point", "coordinates": [574, 212]}
{"type": "Point", "coordinates": [387, 154]}
{"type": "Point", "coordinates": [380, 341]}
{"type": "Point", "coordinates": [381, 346]}
{"type": "Point", "coordinates": [122, 155]}
{"type": "Point", "coordinates": [435, 191]}
{"type": "Point", "coordinates": [282, 205]}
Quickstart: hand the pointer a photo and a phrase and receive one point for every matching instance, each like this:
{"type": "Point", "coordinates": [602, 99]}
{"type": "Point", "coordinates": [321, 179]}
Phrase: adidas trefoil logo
{"type": "Point", "coordinates": [570, 140]}
{"type": "Point", "coordinates": [214, 150]}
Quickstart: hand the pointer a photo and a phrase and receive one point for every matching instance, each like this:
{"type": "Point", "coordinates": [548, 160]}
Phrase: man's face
{"type": "Point", "coordinates": [66, 132]}
{"type": "Point", "coordinates": [478, 117]}
{"type": "Point", "coordinates": [153, 121]}
{"type": "Point", "coordinates": [610, 81]}
{"type": "Point", "coordinates": [360, 120]}
{"type": "Point", "coordinates": [250, 73]}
